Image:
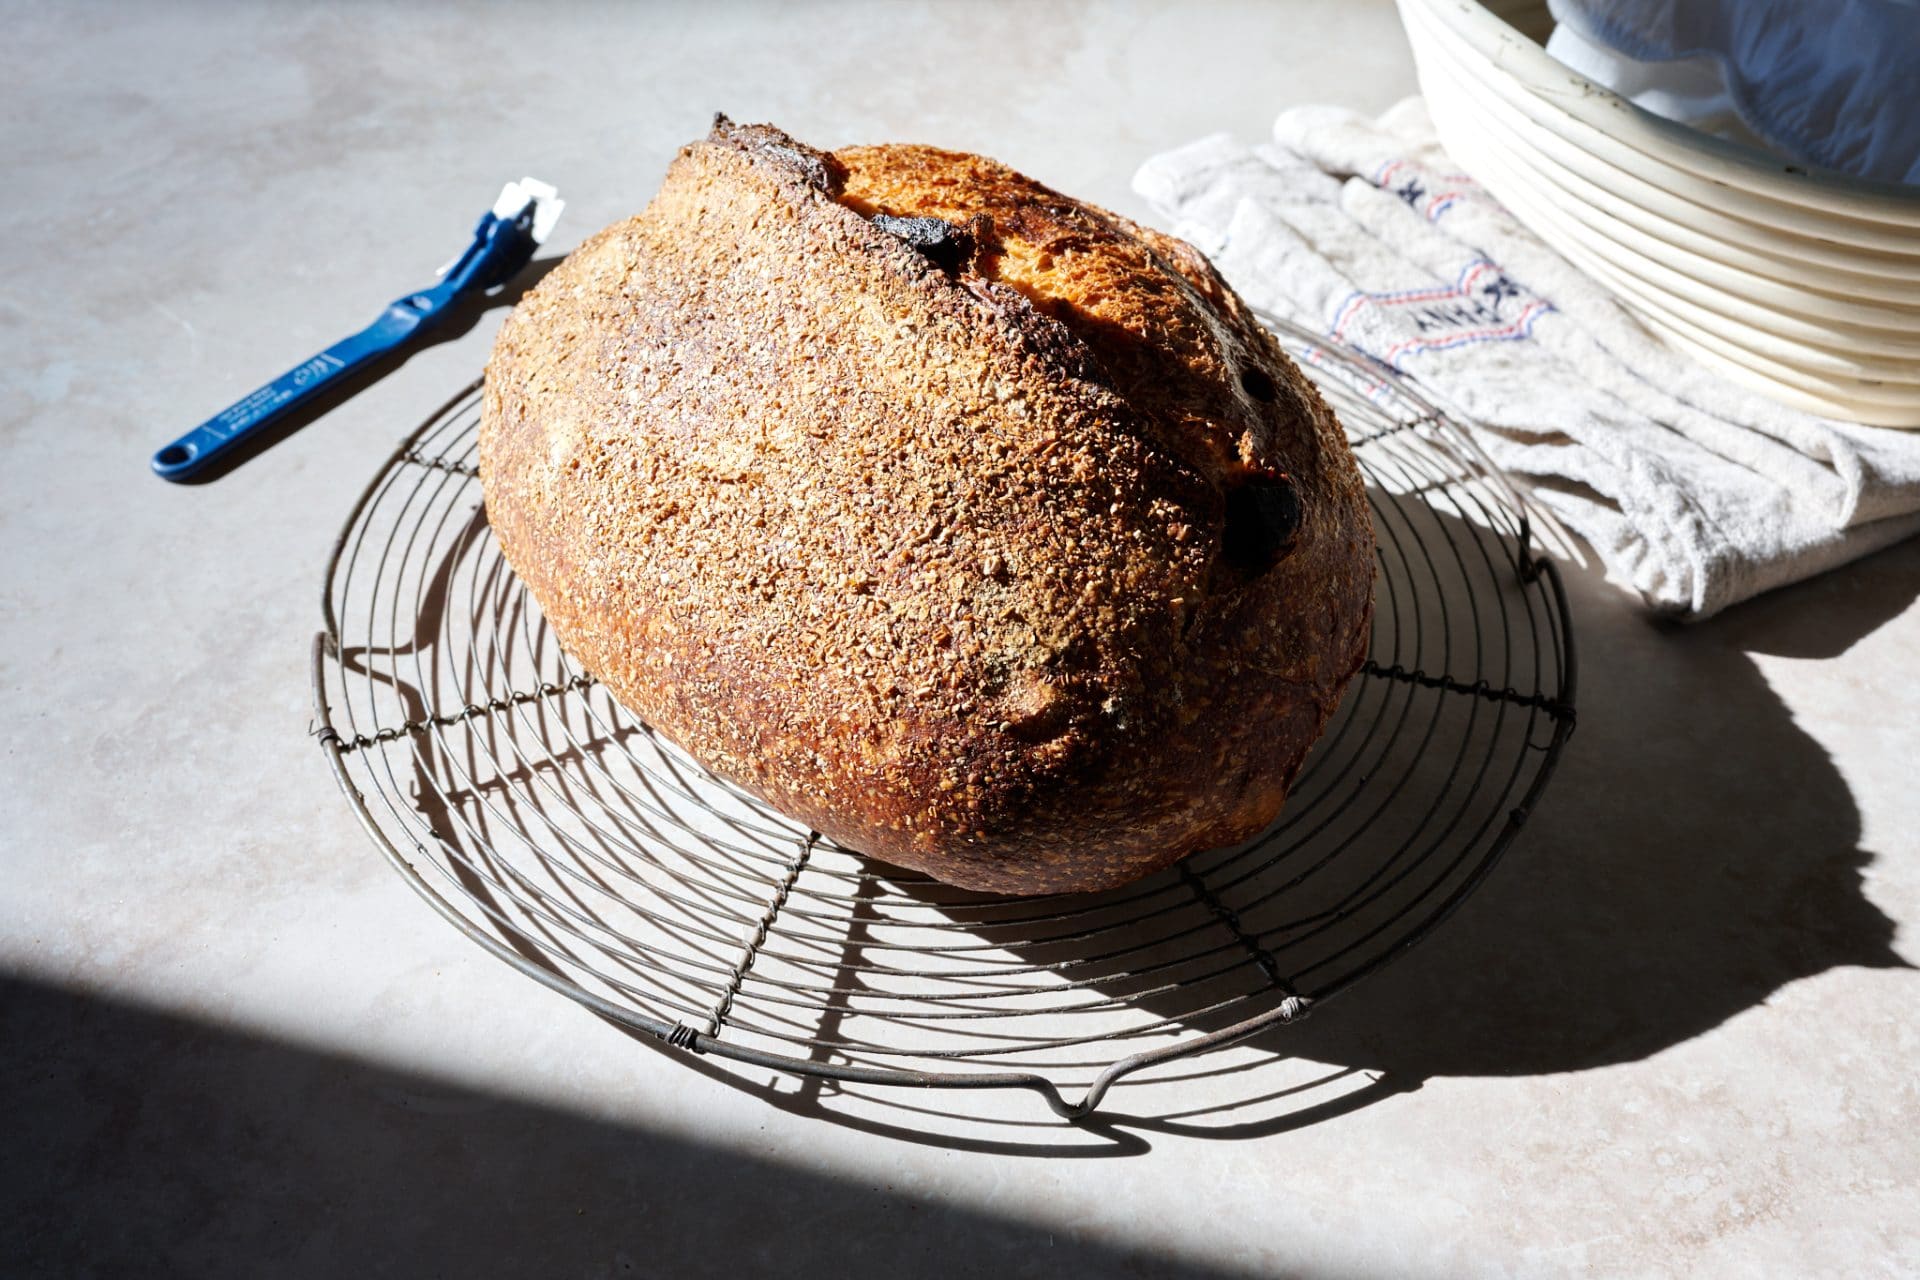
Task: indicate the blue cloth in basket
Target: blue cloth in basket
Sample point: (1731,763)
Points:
(1832,83)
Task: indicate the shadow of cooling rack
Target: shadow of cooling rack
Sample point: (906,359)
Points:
(558,832)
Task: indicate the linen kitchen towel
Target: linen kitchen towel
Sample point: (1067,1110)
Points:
(1695,493)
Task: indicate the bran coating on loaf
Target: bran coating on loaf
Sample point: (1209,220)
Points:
(912,495)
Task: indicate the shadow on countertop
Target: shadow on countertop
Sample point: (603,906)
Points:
(142,1144)
(1824,616)
(1697,852)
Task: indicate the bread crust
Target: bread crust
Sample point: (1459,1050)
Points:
(976,527)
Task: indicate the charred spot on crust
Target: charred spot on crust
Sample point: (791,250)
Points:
(816,169)
(1258,385)
(945,244)
(1263,518)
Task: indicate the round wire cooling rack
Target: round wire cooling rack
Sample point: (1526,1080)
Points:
(558,832)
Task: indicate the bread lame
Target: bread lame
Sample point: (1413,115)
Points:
(504,241)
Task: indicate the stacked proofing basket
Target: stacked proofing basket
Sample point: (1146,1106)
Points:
(1802,284)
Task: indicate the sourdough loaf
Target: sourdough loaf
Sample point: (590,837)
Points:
(978,528)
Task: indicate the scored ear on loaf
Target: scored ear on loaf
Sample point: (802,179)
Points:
(980,529)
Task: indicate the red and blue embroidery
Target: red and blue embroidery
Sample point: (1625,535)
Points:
(1482,304)
(1462,287)
(1519,327)
(1430,195)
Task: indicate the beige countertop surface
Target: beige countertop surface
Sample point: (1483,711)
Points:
(1674,1035)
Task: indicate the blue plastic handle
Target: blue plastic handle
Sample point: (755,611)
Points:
(500,248)
(203,445)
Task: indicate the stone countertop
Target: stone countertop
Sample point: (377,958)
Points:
(1674,1034)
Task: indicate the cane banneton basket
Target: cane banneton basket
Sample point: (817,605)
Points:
(1801,284)
(558,832)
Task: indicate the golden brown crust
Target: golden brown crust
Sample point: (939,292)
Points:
(970,543)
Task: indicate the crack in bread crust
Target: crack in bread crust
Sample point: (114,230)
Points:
(921,535)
